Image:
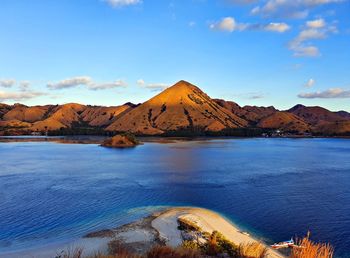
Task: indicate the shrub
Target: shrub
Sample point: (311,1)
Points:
(185,224)
(168,252)
(190,245)
(115,247)
(131,137)
(71,253)
(218,244)
(252,250)
(310,249)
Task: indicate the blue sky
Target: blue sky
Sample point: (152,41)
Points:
(270,52)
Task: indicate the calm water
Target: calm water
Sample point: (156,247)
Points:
(277,188)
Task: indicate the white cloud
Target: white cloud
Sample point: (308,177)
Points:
(120,3)
(226,24)
(229,24)
(289,8)
(70,83)
(105,86)
(277,27)
(152,86)
(316,24)
(314,30)
(24,85)
(327,94)
(7,83)
(85,81)
(310,83)
(157,86)
(19,96)
(140,82)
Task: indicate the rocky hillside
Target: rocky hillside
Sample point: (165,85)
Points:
(180,108)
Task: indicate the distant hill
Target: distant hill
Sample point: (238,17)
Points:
(181,108)
(284,121)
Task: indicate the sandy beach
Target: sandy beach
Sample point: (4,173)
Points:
(158,228)
(166,224)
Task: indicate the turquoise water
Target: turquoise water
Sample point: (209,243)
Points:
(277,188)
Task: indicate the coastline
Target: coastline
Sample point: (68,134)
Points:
(159,228)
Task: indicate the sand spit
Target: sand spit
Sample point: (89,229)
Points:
(160,228)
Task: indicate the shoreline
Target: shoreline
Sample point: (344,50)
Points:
(159,228)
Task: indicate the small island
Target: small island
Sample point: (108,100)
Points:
(121,141)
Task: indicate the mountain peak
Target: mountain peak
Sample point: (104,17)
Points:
(296,107)
(183,85)
(182,106)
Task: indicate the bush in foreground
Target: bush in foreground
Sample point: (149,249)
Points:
(168,252)
(310,249)
(256,250)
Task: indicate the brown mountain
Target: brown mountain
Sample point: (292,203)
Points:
(284,121)
(26,114)
(344,114)
(180,107)
(315,115)
(75,115)
(4,109)
(251,114)
(333,129)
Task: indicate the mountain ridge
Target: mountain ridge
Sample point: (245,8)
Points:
(182,107)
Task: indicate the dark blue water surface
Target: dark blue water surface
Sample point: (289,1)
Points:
(276,188)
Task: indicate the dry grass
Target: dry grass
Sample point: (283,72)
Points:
(72,252)
(310,249)
(252,250)
(168,252)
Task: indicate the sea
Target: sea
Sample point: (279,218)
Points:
(274,188)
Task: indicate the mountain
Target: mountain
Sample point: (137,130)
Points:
(251,114)
(4,109)
(284,121)
(344,114)
(315,115)
(340,128)
(180,107)
(75,115)
(26,114)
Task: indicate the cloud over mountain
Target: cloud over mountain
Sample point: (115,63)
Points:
(85,81)
(327,94)
(152,86)
(19,96)
(7,83)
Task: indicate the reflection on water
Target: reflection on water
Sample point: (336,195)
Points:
(277,188)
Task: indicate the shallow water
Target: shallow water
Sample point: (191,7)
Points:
(276,188)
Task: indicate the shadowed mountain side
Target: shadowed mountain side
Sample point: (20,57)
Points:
(251,114)
(340,128)
(344,114)
(181,106)
(4,108)
(315,115)
(284,121)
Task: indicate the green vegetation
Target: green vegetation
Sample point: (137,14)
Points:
(217,244)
